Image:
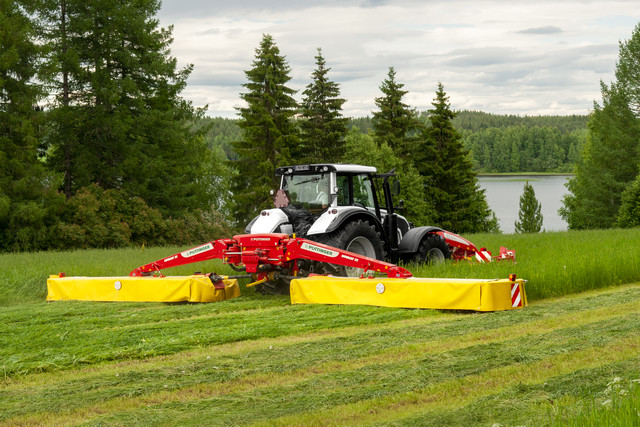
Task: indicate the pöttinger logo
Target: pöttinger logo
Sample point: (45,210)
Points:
(196,251)
(319,250)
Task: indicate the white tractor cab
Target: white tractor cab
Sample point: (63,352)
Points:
(349,207)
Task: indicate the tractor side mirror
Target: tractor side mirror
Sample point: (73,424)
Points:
(396,187)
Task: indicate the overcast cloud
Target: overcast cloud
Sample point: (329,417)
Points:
(515,57)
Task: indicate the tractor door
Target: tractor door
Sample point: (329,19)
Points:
(357,190)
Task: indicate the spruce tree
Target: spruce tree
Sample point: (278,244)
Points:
(450,183)
(610,158)
(270,137)
(529,216)
(322,125)
(28,196)
(118,118)
(395,123)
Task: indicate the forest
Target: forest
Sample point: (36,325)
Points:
(497,143)
(98,148)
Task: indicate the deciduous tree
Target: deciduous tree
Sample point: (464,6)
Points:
(629,213)
(610,158)
(363,149)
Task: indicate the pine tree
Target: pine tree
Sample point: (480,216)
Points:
(270,137)
(323,127)
(529,216)
(450,183)
(395,123)
(611,155)
(119,120)
(28,196)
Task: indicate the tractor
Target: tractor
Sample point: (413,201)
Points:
(330,220)
(351,207)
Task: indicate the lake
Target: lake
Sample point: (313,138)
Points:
(503,196)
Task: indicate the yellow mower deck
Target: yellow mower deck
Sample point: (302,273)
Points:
(197,288)
(450,294)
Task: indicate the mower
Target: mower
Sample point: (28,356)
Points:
(328,241)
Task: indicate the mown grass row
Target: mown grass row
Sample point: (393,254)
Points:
(555,264)
(512,368)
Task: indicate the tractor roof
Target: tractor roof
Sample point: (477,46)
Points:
(325,167)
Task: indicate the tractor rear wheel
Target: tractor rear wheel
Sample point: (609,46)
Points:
(432,250)
(358,237)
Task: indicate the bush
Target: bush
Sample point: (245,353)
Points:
(197,227)
(97,218)
(629,213)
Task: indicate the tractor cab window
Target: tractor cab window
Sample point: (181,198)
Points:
(344,192)
(362,191)
(307,191)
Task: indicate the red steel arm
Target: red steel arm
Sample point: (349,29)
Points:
(261,253)
(307,249)
(212,250)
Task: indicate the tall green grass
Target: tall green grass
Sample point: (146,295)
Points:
(554,264)
(23,276)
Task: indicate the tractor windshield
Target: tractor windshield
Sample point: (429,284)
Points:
(307,191)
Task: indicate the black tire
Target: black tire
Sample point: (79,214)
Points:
(432,250)
(355,236)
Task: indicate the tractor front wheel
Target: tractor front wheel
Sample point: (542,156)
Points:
(358,237)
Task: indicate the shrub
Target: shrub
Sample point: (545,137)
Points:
(97,218)
(629,213)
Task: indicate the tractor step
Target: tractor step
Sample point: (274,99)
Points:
(196,288)
(448,294)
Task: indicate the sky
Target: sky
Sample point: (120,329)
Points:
(503,57)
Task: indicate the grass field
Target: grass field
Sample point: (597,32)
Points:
(570,358)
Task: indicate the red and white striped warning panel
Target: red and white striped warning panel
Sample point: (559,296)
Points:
(483,256)
(516,299)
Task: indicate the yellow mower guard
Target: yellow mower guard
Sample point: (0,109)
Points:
(449,294)
(196,288)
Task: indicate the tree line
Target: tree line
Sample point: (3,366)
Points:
(497,143)
(99,149)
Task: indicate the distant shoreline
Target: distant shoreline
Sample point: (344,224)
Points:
(524,174)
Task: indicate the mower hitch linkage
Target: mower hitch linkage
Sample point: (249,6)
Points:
(263,254)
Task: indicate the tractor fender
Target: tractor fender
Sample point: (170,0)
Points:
(411,240)
(267,222)
(330,221)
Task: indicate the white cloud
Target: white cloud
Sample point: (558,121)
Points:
(516,57)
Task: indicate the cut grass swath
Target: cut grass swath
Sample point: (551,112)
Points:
(424,366)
